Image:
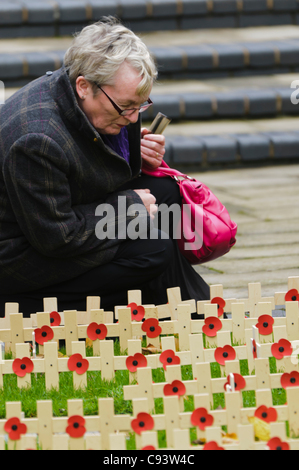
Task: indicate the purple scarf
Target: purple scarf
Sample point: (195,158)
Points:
(119,143)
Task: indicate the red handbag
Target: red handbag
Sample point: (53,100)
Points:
(206,230)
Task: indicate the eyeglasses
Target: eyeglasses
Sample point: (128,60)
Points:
(127,112)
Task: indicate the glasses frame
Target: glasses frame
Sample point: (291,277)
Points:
(126,112)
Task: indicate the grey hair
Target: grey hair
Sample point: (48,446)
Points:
(100,49)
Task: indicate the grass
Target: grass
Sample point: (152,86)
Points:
(98,388)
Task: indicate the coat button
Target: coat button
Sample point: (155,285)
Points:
(49,73)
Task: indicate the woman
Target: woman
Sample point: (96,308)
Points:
(71,146)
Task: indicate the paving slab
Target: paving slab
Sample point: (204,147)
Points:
(267,250)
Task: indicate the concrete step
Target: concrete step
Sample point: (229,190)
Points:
(191,58)
(232,143)
(31,18)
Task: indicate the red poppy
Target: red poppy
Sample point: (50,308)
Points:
(239,382)
(55,319)
(290,380)
(168,358)
(212,445)
(143,422)
(136,361)
(265,324)
(292,295)
(137,311)
(277,444)
(15,428)
(151,327)
(175,388)
(76,426)
(43,334)
(266,414)
(97,331)
(253,348)
(227,353)
(201,418)
(148,448)
(77,363)
(21,367)
(221,304)
(212,326)
(281,349)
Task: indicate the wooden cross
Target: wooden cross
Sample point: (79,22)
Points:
(254,297)
(174,299)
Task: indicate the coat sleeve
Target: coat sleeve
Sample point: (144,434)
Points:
(36,179)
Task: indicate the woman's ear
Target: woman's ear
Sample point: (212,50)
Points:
(82,87)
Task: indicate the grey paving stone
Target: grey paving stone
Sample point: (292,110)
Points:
(230,104)
(262,102)
(254,5)
(72,11)
(39,12)
(102,8)
(10,14)
(198,106)
(254,147)
(199,57)
(285,5)
(195,7)
(11,66)
(133,9)
(286,145)
(265,19)
(225,6)
(231,56)
(169,105)
(168,60)
(164,7)
(220,149)
(186,150)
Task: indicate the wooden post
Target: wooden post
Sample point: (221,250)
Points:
(22,350)
(51,366)
(238,320)
(293,406)
(184,326)
(292,320)
(111,424)
(44,420)
(233,409)
(70,329)
(144,387)
(125,328)
(75,408)
(80,381)
(107,359)
(203,377)
(96,316)
(172,421)
(13,410)
(17,332)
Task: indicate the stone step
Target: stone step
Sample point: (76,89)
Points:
(194,60)
(31,18)
(202,151)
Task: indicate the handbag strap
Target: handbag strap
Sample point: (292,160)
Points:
(165,170)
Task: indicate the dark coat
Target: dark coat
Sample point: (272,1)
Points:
(56,170)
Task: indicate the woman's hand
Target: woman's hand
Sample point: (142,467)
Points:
(148,200)
(152,149)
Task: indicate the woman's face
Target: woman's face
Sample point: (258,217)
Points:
(100,111)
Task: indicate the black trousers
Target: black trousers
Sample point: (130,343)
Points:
(151,265)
